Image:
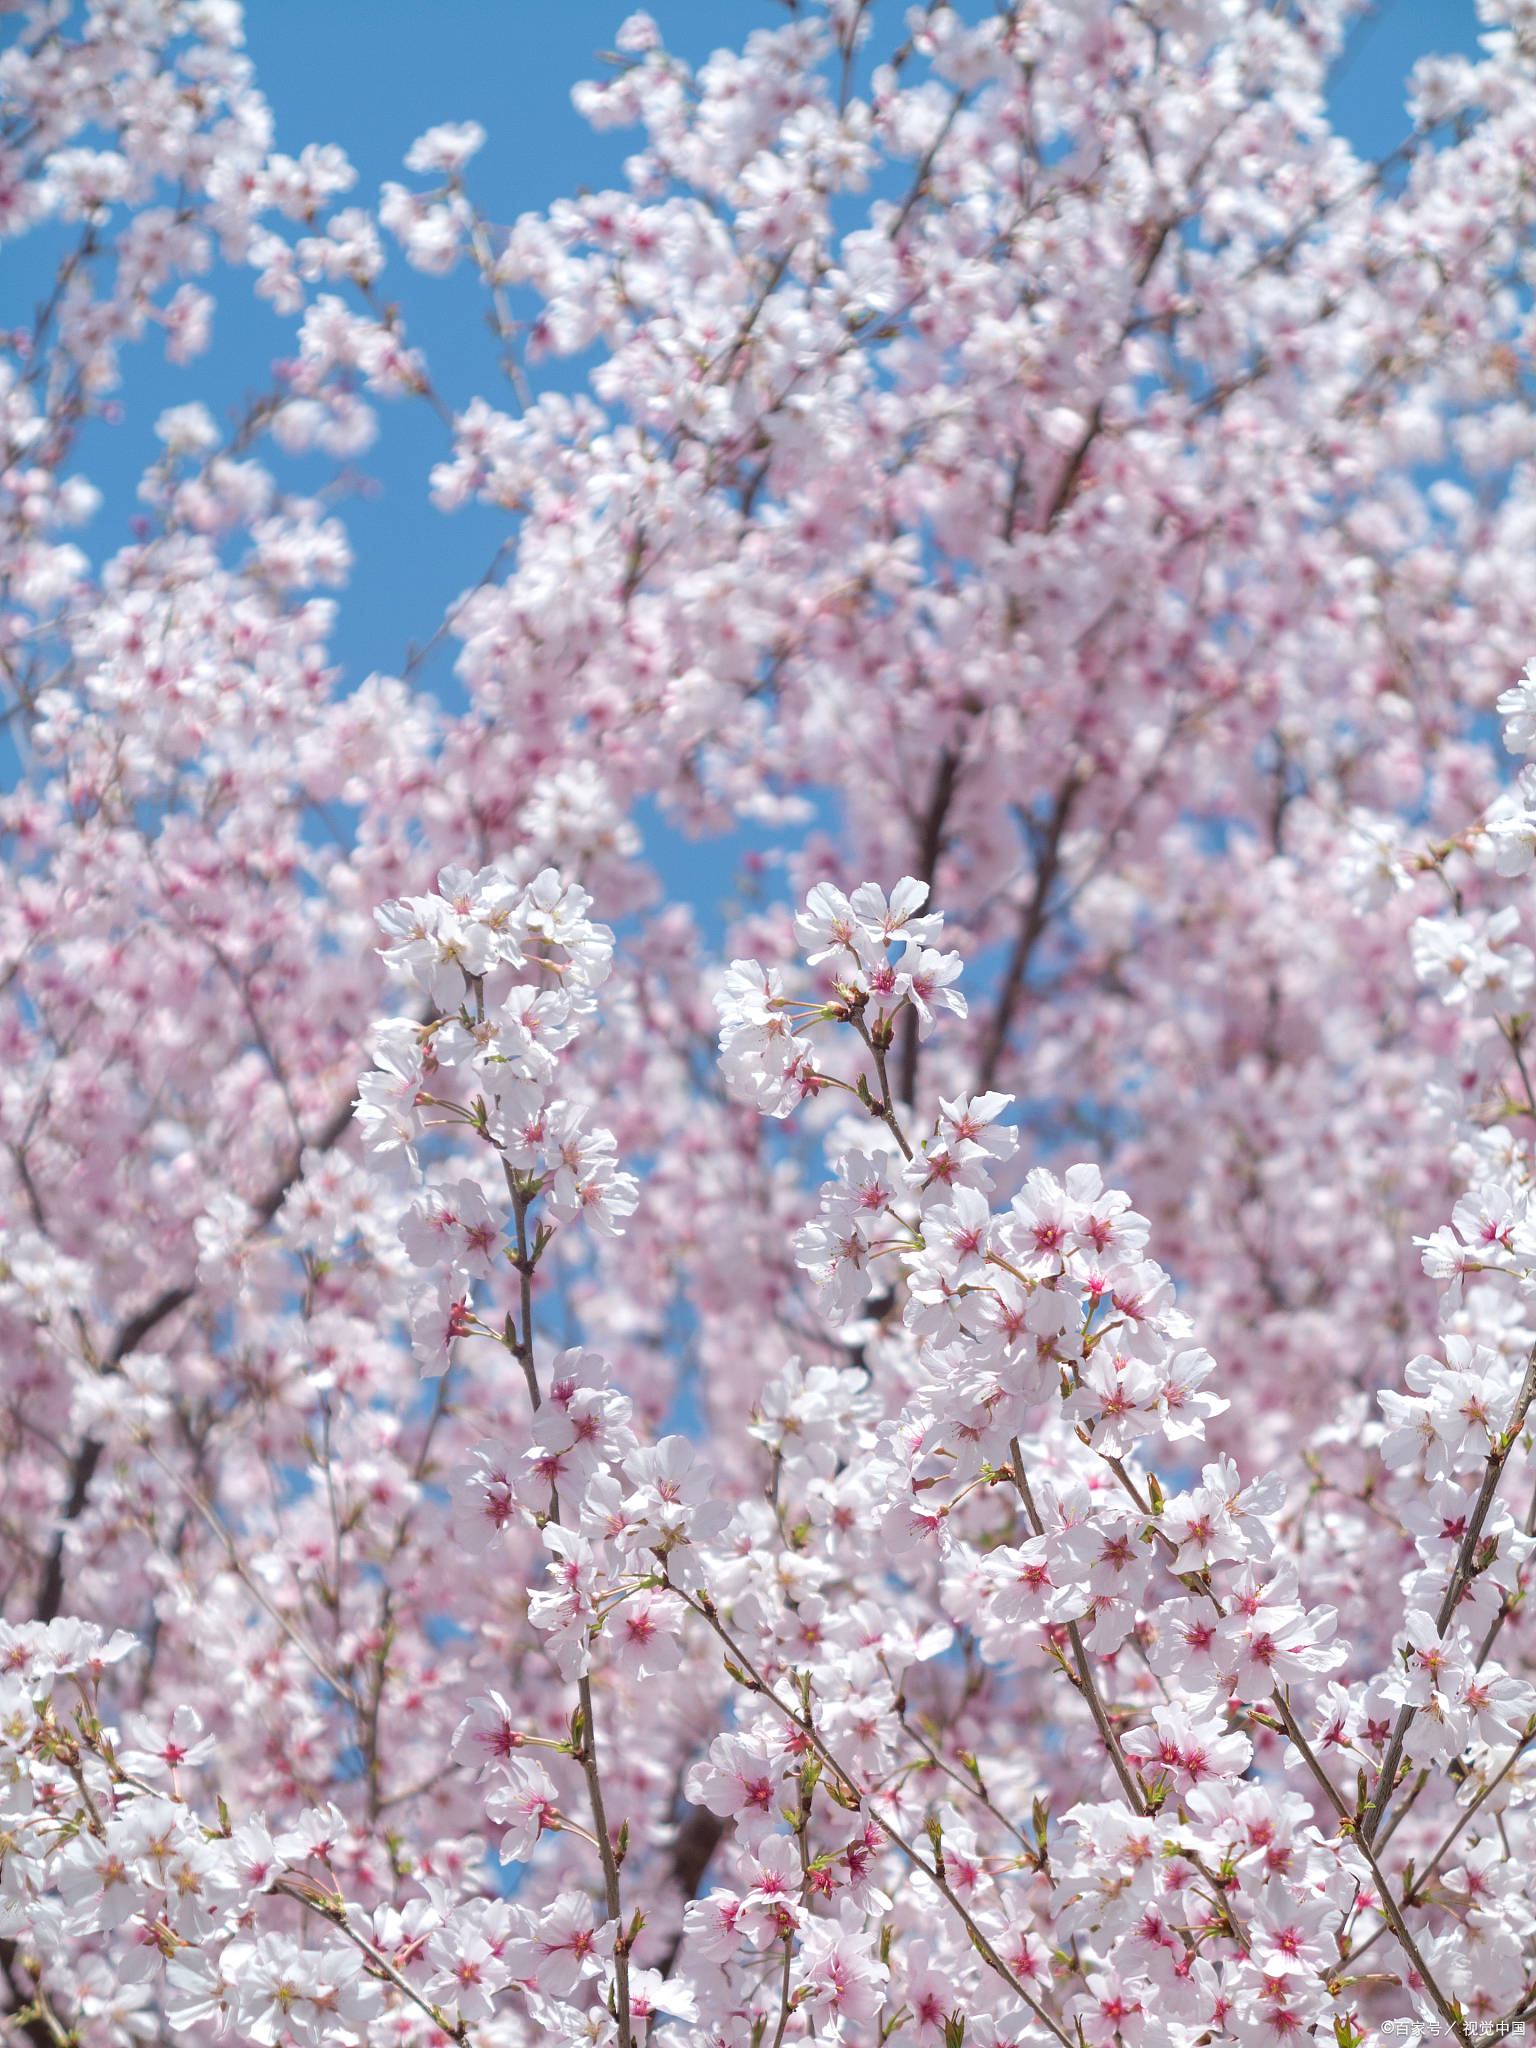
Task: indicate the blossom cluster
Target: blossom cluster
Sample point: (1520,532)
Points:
(1052,1365)
(487,1058)
(983,1476)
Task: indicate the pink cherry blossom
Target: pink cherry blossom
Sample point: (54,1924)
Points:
(948,1447)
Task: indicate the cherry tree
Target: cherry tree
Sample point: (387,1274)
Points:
(957,1469)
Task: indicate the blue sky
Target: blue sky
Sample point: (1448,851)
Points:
(371,75)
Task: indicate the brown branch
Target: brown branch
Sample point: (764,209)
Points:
(693,1850)
(1462,1574)
(855,1802)
(1085,1682)
(1031,926)
(36,2025)
(132,1334)
(699,1835)
(919,184)
(930,844)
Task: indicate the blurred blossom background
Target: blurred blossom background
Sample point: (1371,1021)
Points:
(371,75)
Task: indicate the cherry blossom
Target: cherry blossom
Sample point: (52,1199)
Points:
(954,1459)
